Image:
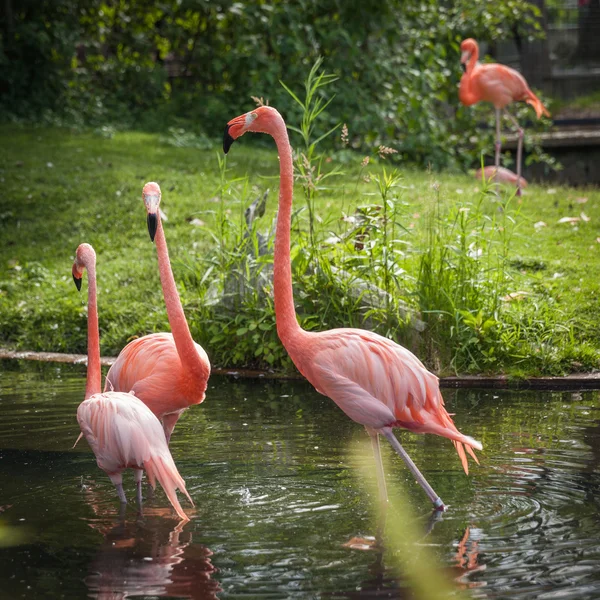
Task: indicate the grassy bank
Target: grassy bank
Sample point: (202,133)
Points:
(475,282)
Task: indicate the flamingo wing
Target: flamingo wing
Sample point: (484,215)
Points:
(139,359)
(500,84)
(379,384)
(150,368)
(124,433)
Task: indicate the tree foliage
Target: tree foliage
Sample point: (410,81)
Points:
(154,64)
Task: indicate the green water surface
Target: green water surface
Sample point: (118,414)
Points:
(272,471)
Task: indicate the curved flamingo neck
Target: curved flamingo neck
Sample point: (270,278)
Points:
(287,324)
(186,349)
(473,60)
(466,93)
(94,376)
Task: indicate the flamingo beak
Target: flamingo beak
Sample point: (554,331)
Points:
(465,57)
(77,281)
(227,139)
(152,225)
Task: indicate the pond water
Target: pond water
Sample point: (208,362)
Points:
(278,494)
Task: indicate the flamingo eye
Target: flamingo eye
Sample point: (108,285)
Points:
(250,118)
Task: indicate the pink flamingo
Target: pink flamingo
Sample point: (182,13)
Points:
(168,372)
(121,430)
(500,175)
(376,382)
(499,85)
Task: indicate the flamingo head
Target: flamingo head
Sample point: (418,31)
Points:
(84,256)
(151,196)
(468,47)
(259,120)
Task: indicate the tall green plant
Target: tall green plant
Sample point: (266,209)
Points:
(309,164)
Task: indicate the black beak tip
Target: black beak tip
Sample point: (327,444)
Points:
(227,140)
(152,225)
(464,67)
(77,281)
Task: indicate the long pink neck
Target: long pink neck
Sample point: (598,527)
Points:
(181,332)
(287,323)
(94,377)
(473,60)
(466,93)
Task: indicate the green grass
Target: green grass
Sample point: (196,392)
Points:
(61,188)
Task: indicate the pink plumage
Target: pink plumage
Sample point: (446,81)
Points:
(372,379)
(500,175)
(493,83)
(168,371)
(499,85)
(378,383)
(124,434)
(121,430)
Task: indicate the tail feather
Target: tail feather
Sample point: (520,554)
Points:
(170,479)
(460,449)
(448,429)
(534,101)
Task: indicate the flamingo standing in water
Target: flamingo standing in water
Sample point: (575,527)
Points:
(499,85)
(121,430)
(168,372)
(376,382)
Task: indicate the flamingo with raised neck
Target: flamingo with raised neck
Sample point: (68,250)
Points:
(167,371)
(376,382)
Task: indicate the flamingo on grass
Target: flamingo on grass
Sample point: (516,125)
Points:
(499,85)
(167,371)
(499,175)
(376,382)
(120,428)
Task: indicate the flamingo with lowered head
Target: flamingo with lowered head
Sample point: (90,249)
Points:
(376,382)
(167,371)
(121,430)
(499,85)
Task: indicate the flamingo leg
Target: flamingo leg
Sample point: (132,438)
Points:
(521,133)
(437,501)
(383,497)
(121,493)
(117,480)
(138,486)
(498,140)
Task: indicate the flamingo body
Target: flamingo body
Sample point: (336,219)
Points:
(150,367)
(498,84)
(500,175)
(378,383)
(167,371)
(124,434)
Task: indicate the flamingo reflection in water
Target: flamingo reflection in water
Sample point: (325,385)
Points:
(467,561)
(149,555)
(383,581)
